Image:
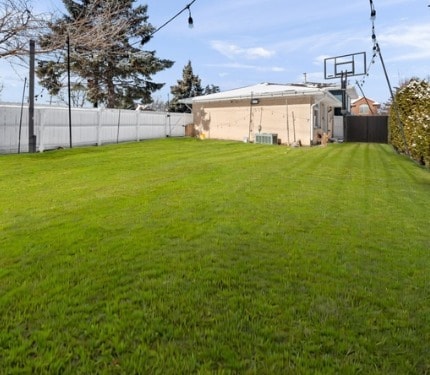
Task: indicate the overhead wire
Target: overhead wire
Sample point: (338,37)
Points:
(190,19)
(190,23)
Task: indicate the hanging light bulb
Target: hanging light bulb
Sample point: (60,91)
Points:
(372,11)
(190,22)
(190,19)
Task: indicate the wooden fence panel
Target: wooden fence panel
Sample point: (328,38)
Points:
(369,129)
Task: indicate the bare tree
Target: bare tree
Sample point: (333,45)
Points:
(17,25)
(100,31)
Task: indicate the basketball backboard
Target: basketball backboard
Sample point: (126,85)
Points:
(353,64)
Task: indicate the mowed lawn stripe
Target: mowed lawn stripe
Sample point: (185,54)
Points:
(182,256)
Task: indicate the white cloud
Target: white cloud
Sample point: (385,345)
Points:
(259,68)
(319,60)
(233,51)
(411,42)
(257,52)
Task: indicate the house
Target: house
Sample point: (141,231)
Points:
(296,113)
(364,107)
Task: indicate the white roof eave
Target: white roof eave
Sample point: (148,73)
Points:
(202,99)
(263,91)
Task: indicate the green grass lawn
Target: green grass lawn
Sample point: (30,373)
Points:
(181,256)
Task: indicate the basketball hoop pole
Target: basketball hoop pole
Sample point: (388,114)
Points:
(344,110)
(343,85)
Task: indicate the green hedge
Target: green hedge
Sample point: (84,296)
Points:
(413,103)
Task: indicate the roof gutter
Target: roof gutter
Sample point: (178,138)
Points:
(262,95)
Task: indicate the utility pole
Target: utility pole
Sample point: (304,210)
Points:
(31,135)
(68,90)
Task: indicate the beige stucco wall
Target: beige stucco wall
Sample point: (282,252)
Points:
(289,117)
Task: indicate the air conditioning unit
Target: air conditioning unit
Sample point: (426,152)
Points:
(266,138)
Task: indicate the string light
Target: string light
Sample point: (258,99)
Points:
(375,45)
(190,19)
(376,49)
(371,63)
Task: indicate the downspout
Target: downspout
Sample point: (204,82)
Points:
(311,133)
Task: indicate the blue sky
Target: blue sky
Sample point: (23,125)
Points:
(235,43)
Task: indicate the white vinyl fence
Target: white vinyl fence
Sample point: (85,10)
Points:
(89,127)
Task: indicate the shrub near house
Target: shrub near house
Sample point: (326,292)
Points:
(413,102)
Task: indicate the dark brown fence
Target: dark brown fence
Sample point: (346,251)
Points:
(372,129)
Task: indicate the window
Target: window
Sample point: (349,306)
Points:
(363,109)
(337,94)
(338,111)
(316,118)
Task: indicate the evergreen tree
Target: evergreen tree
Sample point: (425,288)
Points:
(211,89)
(105,52)
(189,87)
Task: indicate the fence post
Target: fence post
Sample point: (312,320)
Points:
(137,126)
(41,128)
(99,126)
